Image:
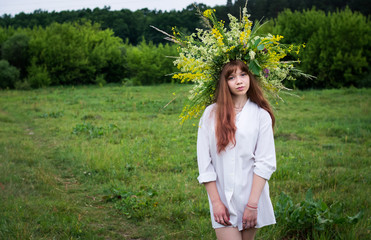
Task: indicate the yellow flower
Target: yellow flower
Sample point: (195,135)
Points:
(230,49)
(276,39)
(218,36)
(201,51)
(297,52)
(208,13)
(248,24)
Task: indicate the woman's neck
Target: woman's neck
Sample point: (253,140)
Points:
(239,101)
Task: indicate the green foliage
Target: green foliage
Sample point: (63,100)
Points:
(149,64)
(77,53)
(9,75)
(133,25)
(100,80)
(68,53)
(5,34)
(135,205)
(338,46)
(38,76)
(56,114)
(311,217)
(16,51)
(93,131)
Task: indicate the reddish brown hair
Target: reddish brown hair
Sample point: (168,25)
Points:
(225,128)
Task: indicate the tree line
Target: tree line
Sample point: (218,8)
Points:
(83,51)
(79,53)
(133,25)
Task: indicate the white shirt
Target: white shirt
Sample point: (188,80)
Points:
(233,168)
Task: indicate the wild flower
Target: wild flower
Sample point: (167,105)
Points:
(203,54)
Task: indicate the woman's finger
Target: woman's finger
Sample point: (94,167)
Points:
(252,224)
(226,220)
(222,222)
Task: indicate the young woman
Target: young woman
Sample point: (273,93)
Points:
(236,154)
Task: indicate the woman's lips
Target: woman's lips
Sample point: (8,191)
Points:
(240,88)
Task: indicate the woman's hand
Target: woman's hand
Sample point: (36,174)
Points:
(221,214)
(249,218)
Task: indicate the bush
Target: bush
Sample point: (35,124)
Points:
(77,53)
(15,51)
(338,46)
(22,85)
(148,64)
(5,34)
(100,80)
(310,217)
(9,75)
(38,76)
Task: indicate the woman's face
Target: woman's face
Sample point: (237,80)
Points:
(238,82)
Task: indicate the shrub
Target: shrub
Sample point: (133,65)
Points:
(338,46)
(22,85)
(6,33)
(15,51)
(100,80)
(38,76)
(77,53)
(310,217)
(148,64)
(9,75)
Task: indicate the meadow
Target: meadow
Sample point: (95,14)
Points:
(113,162)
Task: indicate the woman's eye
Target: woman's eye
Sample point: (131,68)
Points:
(243,74)
(230,78)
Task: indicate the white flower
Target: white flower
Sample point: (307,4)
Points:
(252,54)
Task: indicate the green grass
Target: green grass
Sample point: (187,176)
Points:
(112,163)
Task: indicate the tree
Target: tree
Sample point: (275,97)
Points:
(338,46)
(16,51)
(9,75)
(77,53)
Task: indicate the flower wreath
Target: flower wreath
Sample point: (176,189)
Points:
(202,56)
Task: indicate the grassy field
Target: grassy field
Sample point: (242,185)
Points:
(112,163)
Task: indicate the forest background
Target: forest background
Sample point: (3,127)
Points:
(102,46)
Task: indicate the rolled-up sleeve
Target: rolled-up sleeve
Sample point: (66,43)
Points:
(265,154)
(205,167)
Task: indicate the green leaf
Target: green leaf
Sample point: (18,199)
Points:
(261,47)
(356,217)
(255,68)
(256,43)
(309,195)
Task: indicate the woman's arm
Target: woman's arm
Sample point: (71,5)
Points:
(250,214)
(258,184)
(264,166)
(221,214)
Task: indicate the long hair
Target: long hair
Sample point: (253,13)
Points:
(225,129)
